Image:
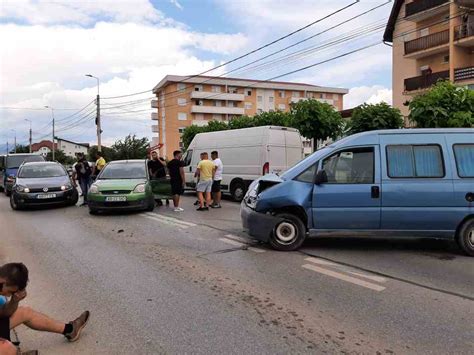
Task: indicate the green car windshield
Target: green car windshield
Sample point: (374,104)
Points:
(131,170)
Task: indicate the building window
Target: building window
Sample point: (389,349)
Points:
(259,110)
(182,116)
(414,161)
(259,98)
(281,94)
(270,99)
(182,102)
(216,89)
(309,95)
(295,94)
(322,95)
(248,92)
(282,107)
(445,59)
(231,104)
(181,130)
(216,117)
(217,103)
(181,86)
(199,116)
(335,97)
(200,102)
(248,105)
(232,90)
(197,87)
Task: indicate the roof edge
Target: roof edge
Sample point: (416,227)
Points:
(388,34)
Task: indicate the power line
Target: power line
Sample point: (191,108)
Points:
(259,48)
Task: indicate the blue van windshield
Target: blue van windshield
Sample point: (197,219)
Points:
(295,170)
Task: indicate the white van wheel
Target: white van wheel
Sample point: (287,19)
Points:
(466,237)
(238,191)
(289,234)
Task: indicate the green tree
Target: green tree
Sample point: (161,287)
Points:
(20,149)
(369,117)
(60,157)
(242,122)
(131,148)
(274,118)
(316,120)
(444,105)
(108,153)
(189,133)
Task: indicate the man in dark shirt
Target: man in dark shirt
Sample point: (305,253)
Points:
(176,171)
(156,166)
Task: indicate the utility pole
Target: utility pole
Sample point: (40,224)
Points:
(31,134)
(52,114)
(15,140)
(8,150)
(97,117)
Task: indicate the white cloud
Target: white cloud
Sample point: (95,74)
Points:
(80,12)
(177,4)
(367,94)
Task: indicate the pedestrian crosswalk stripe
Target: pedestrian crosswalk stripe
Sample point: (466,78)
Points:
(170,219)
(165,221)
(344,277)
(236,243)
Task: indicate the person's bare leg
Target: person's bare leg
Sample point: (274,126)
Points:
(201,199)
(208,198)
(35,320)
(176,201)
(7,348)
(217,198)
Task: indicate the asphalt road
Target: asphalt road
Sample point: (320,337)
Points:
(168,283)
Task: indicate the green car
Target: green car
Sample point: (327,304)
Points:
(122,185)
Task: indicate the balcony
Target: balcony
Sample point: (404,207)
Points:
(422,9)
(216,96)
(425,81)
(154,116)
(298,99)
(154,128)
(218,110)
(461,74)
(427,45)
(154,103)
(464,35)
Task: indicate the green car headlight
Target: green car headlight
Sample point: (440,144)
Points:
(140,188)
(94,189)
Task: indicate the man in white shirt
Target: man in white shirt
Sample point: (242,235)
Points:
(216,184)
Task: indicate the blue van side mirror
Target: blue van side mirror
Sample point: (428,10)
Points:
(321,177)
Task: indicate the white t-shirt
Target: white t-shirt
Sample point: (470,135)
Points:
(219,169)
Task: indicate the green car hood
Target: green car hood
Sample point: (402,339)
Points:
(119,184)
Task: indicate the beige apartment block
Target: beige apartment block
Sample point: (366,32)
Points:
(182,101)
(432,40)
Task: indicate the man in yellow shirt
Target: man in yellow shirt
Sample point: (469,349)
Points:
(99,164)
(205,171)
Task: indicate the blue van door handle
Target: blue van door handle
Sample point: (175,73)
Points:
(375,192)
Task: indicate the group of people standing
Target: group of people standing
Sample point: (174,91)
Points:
(83,172)
(208,173)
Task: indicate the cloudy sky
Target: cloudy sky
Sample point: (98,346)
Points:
(48,46)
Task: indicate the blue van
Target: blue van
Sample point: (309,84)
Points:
(9,165)
(403,183)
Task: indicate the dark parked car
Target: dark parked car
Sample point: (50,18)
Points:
(42,183)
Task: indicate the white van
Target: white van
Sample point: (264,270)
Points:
(246,154)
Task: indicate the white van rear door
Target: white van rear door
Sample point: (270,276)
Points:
(276,151)
(294,148)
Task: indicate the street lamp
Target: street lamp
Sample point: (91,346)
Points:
(97,119)
(31,133)
(15,138)
(52,114)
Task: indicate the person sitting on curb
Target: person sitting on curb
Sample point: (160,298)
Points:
(13,281)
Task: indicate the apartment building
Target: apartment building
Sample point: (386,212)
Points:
(183,101)
(432,40)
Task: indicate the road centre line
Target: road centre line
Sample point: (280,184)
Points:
(168,222)
(344,277)
(345,269)
(171,219)
(236,243)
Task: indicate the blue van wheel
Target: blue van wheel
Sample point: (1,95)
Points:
(289,234)
(466,237)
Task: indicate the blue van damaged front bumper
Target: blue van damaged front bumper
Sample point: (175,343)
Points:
(256,224)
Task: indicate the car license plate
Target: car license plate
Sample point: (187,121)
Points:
(45,196)
(116,198)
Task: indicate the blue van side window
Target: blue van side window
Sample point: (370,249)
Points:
(415,161)
(464,154)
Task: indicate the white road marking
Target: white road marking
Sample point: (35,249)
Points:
(236,237)
(170,219)
(239,244)
(370,277)
(344,277)
(320,261)
(165,221)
